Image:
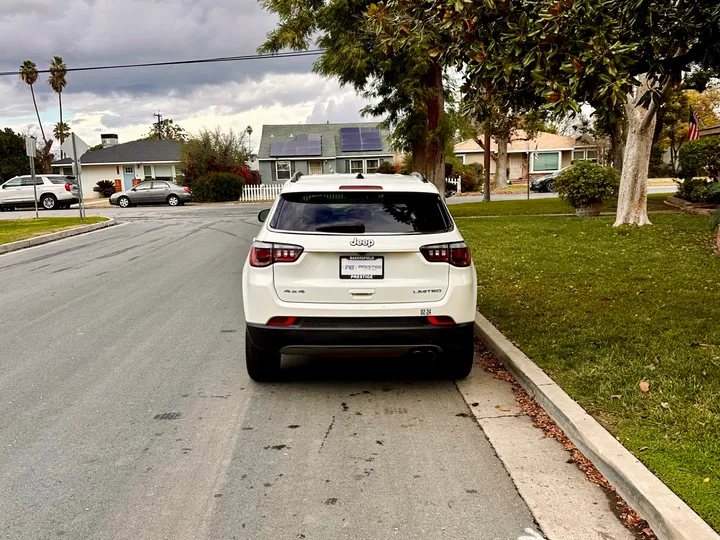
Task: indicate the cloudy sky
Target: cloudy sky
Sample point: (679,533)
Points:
(103,32)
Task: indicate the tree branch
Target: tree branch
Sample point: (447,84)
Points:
(652,109)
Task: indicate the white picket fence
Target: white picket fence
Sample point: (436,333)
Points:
(269,192)
(456,182)
(261,192)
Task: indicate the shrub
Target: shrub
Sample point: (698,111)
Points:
(700,158)
(450,189)
(386,168)
(105,187)
(468,181)
(214,151)
(218,187)
(587,183)
(699,190)
(475,169)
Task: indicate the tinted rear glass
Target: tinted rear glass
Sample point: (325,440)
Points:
(62,179)
(361,212)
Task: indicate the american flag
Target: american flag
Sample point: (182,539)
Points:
(693,130)
(537,156)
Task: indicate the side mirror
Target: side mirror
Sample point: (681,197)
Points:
(263,215)
(133,189)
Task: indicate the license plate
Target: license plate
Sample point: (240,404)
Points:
(361,267)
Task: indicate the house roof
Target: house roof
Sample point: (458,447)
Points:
(519,143)
(331,146)
(710,130)
(131,152)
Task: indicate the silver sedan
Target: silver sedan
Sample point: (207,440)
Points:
(153,192)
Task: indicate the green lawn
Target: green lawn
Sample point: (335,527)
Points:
(539,206)
(12,230)
(602,309)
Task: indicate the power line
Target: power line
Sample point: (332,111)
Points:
(185,62)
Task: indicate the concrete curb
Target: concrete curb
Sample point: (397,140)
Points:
(669,517)
(52,237)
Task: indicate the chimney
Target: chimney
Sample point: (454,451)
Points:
(108,140)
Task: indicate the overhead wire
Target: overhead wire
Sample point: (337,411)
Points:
(294,54)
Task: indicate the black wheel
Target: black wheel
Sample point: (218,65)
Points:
(48,202)
(457,361)
(173,200)
(262,365)
(550,187)
(123,202)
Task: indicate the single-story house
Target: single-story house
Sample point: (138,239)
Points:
(709,131)
(125,164)
(546,153)
(321,149)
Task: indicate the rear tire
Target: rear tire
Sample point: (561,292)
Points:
(173,200)
(262,365)
(550,187)
(49,202)
(457,361)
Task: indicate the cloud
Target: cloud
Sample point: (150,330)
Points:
(101,32)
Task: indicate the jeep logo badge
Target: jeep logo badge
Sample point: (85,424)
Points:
(361,242)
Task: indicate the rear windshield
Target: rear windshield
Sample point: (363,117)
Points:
(359,212)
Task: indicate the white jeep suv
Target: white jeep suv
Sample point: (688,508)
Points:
(54,191)
(346,264)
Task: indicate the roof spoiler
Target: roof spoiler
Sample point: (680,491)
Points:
(296,177)
(421,176)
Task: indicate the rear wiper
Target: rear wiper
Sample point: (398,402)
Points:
(352,229)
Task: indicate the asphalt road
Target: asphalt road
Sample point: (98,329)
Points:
(126,412)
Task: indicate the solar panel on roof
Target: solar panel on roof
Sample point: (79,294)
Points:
(356,139)
(349,130)
(303,145)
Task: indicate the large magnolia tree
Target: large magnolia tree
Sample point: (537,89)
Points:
(615,54)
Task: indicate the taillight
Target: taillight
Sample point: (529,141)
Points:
(281,321)
(187,189)
(456,254)
(67,186)
(442,320)
(361,188)
(264,254)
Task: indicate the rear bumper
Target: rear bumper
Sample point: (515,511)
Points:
(344,335)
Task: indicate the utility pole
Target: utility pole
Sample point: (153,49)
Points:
(159,124)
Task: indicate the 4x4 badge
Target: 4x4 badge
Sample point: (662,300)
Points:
(362,242)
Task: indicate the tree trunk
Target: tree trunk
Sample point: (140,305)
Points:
(62,131)
(37,112)
(429,152)
(47,157)
(486,165)
(617,143)
(501,164)
(632,200)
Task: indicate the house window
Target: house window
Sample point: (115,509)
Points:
(282,170)
(578,155)
(372,165)
(148,171)
(356,166)
(129,170)
(546,162)
(591,155)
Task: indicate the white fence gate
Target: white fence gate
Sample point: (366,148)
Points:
(269,192)
(261,192)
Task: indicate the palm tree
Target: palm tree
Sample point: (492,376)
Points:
(58,81)
(61,131)
(29,75)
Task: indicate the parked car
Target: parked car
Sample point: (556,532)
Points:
(545,183)
(346,264)
(54,191)
(153,192)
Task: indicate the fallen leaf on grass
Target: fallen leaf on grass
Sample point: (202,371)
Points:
(503,409)
(643,448)
(644,387)
(657,360)
(665,405)
(606,299)
(706,480)
(616,396)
